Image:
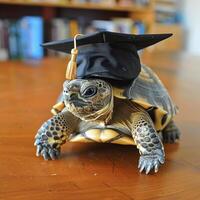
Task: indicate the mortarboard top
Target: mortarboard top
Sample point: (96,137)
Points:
(108,55)
(139,41)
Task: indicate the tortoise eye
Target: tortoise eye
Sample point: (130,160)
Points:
(90,91)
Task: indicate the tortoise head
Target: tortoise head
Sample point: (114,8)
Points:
(88,99)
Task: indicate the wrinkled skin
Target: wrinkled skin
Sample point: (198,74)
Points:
(86,97)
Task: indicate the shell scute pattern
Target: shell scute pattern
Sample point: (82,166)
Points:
(149,92)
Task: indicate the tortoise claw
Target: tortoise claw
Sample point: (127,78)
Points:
(150,162)
(38,151)
(171,136)
(54,153)
(48,153)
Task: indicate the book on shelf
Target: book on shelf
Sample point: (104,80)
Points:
(123,25)
(168,11)
(59,30)
(66,28)
(133,2)
(62,28)
(101,2)
(21,39)
(113,2)
(4,54)
(14,46)
(31,36)
(44,1)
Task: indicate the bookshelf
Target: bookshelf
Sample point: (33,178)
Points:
(86,6)
(135,11)
(71,9)
(168,17)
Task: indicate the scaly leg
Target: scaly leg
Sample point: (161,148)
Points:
(171,133)
(53,133)
(148,142)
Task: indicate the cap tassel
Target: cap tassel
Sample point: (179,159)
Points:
(70,75)
(72,65)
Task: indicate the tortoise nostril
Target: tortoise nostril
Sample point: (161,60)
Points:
(66,93)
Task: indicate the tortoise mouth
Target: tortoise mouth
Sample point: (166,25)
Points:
(79,103)
(80,107)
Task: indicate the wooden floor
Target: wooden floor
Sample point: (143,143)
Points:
(93,171)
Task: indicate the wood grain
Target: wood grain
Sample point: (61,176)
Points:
(93,171)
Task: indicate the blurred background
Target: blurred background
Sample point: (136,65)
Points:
(24,24)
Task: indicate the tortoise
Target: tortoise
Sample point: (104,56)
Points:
(96,110)
(133,120)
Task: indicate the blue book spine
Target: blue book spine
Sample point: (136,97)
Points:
(140,27)
(31,36)
(14,40)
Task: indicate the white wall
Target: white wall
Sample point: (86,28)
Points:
(191,13)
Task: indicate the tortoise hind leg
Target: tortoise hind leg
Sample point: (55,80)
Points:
(171,133)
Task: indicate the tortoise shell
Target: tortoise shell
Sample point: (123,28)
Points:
(149,92)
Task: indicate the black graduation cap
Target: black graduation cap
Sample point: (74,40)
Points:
(108,55)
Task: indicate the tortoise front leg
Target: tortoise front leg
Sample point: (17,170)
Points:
(53,133)
(148,142)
